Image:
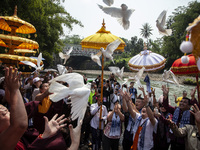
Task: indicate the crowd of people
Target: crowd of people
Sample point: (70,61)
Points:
(30,120)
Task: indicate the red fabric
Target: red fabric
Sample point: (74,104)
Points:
(179,68)
(20,146)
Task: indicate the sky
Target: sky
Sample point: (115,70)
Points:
(91,16)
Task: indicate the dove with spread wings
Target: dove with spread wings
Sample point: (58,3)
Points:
(122,14)
(117,71)
(77,90)
(160,23)
(65,56)
(108,52)
(96,57)
(166,77)
(37,67)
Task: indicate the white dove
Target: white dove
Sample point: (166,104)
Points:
(123,14)
(138,76)
(37,67)
(65,56)
(108,2)
(77,90)
(110,49)
(61,69)
(166,77)
(160,23)
(96,58)
(117,71)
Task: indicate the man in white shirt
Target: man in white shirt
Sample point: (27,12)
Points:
(37,82)
(97,131)
(145,125)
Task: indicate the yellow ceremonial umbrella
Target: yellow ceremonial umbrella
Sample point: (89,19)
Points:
(23,51)
(101,39)
(9,23)
(194,30)
(17,42)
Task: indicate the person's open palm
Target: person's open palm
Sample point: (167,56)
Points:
(196,113)
(52,126)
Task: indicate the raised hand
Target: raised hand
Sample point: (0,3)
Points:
(52,126)
(196,113)
(165,90)
(193,91)
(12,79)
(75,134)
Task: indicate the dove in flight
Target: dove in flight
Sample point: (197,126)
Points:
(65,56)
(108,2)
(96,57)
(122,14)
(37,67)
(110,49)
(61,69)
(160,23)
(138,76)
(117,71)
(77,90)
(166,77)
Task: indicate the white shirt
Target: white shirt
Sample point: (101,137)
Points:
(35,93)
(95,120)
(148,137)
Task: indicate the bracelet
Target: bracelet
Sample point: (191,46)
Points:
(40,136)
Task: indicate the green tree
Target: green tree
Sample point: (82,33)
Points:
(73,39)
(47,16)
(146,31)
(178,23)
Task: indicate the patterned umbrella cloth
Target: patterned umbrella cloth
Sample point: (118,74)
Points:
(151,61)
(178,68)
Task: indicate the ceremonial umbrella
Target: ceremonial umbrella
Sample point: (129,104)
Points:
(15,24)
(178,68)
(194,30)
(24,51)
(101,39)
(147,59)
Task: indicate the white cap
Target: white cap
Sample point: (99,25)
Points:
(36,79)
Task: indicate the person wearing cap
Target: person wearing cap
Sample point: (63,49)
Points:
(36,84)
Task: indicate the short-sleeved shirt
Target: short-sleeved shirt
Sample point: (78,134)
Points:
(178,100)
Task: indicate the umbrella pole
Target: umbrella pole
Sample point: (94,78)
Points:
(197,80)
(102,68)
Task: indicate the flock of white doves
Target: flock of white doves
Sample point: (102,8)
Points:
(77,90)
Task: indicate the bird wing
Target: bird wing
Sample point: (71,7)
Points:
(70,50)
(30,64)
(79,99)
(39,59)
(129,13)
(61,69)
(174,78)
(112,46)
(59,91)
(113,11)
(75,80)
(62,56)
(108,2)
(114,69)
(96,59)
(162,18)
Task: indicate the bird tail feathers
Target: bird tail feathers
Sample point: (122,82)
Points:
(125,25)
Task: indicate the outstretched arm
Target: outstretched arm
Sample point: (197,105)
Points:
(18,118)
